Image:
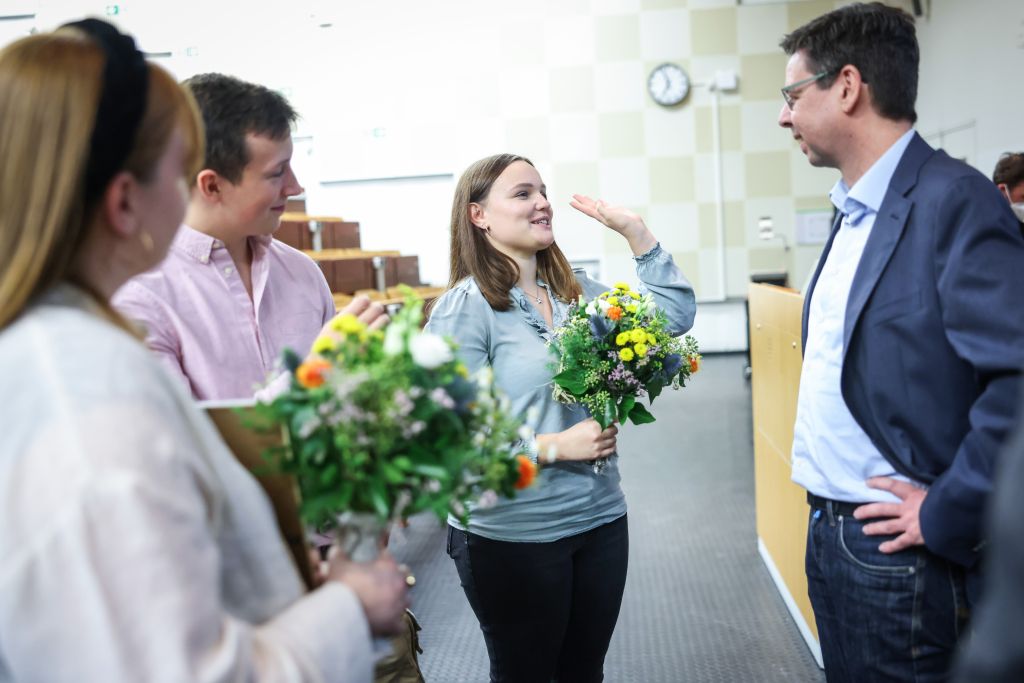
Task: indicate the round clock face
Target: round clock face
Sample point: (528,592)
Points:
(668,84)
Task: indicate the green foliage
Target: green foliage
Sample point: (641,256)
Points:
(391,423)
(615,349)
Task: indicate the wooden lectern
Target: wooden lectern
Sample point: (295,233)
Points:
(775,359)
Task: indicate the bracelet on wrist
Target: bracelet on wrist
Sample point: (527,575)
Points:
(544,456)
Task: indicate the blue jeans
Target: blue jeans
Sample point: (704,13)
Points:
(881,617)
(547,610)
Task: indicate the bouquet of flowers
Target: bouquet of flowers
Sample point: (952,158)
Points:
(613,350)
(389,424)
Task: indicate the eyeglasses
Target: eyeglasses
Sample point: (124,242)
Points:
(788,90)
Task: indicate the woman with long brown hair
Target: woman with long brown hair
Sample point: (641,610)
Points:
(135,547)
(544,572)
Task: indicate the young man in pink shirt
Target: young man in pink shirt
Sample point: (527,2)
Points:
(229,298)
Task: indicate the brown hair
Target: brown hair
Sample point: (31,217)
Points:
(233,109)
(50,87)
(879,40)
(472,254)
(1009,170)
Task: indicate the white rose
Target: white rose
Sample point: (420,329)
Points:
(393,341)
(591,309)
(429,350)
(604,305)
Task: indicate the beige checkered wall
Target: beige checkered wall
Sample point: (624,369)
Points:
(605,136)
(561,81)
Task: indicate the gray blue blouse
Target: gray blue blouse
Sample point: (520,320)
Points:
(569,497)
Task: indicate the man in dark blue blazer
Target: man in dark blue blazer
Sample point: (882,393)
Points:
(913,349)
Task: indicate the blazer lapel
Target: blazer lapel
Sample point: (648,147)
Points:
(885,234)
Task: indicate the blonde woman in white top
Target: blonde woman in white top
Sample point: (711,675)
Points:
(133,546)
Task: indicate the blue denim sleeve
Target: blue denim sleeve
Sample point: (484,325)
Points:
(672,291)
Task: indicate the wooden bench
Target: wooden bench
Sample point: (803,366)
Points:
(335,233)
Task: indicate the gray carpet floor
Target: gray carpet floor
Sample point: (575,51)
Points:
(699,604)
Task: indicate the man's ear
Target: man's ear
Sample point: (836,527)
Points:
(120,204)
(209,185)
(476,215)
(851,92)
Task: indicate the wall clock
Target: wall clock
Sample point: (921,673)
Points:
(668,84)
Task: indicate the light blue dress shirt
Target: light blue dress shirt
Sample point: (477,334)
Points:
(569,497)
(832,456)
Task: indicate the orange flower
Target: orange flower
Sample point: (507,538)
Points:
(694,364)
(614,312)
(311,373)
(527,471)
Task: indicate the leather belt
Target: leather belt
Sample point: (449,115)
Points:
(837,507)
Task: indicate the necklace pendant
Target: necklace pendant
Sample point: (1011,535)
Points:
(538,299)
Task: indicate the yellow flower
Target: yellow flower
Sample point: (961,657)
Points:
(641,349)
(620,285)
(634,294)
(622,338)
(461,371)
(347,324)
(324,344)
(637,335)
(626,354)
(651,339)
(631,308)
(613,300)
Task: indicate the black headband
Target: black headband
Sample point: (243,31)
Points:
(122,104)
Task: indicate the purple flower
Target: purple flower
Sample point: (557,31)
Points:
(413,429)
(621,378)
(403,404)
(488,499)
(441,398)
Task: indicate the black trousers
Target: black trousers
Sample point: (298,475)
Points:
(547,610)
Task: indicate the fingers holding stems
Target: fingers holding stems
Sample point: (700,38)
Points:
(382,587)
(583,441)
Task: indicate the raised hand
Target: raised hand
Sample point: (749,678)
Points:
(623,221)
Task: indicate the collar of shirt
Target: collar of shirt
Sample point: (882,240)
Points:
(198,245)
(867,194)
